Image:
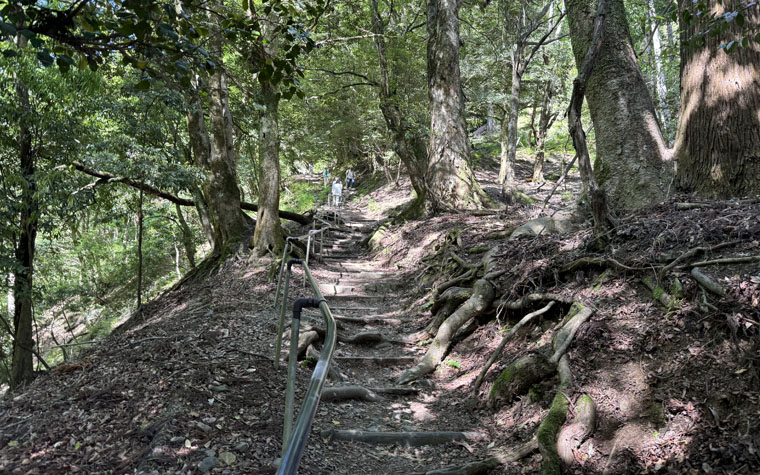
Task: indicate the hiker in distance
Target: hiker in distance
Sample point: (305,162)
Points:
(349,179)
(337,190)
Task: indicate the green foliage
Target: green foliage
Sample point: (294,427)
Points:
(453,364)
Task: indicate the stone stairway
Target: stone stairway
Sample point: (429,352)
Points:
(366,423)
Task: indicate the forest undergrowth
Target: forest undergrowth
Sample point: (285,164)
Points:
(640,358)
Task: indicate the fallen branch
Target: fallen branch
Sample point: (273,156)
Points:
(692,252)
(413,439)
(727,260)
(524,321)
(707,282)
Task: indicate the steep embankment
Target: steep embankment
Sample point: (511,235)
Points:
(669,373)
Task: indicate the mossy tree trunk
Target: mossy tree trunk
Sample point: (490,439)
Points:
(268,237)
(450,181)
(632,163)
(718,141)
(408,143)
(220,187)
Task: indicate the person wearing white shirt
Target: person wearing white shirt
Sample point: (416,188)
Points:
(349,179)
(337,189)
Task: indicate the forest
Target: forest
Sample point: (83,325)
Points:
(534,225)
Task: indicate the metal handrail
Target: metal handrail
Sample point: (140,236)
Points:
(288,245)
(294,439)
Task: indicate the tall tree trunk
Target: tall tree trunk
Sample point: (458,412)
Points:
(407,143)
(451,184)
(22,369)
(507,169)
(188,242)
(632,162)
(718,142)
(268,237)
(139,251)
(201,151)
(545,119)
(221,186)
(661,87)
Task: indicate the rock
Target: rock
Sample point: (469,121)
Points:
(227,458)
(210,452)
(221,387)
(203,427)
(544,225)
(207,464)
(176,440)
(242,446)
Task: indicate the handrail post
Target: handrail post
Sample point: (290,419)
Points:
(281,323)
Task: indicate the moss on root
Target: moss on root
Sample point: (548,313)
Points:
(547,435)
(519,377)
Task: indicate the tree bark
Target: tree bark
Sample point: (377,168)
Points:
(632,161)
(451,183)
(661,88)
(268,237)
(22,368)
(509,156)
(188,242)
(407,142)
(220,186)
(718,141)
(201,153)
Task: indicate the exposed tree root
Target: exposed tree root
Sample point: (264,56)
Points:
(525,320)
(519,376)
(413,439)
(482,297)
(572,435)
(532,298)
(442,308)
(598,262)
(547,435)
(333,372)
(305,339)
(658,292)
(708,283)
(485,466)
(350,392)
(376,360)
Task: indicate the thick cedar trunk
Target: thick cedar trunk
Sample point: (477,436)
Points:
(450,181)
(632,158)
(221,187)
(268,237)
(201,147)
(408,144)
(718,142)
(22,369)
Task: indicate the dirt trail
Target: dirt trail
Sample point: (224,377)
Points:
(357,288)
